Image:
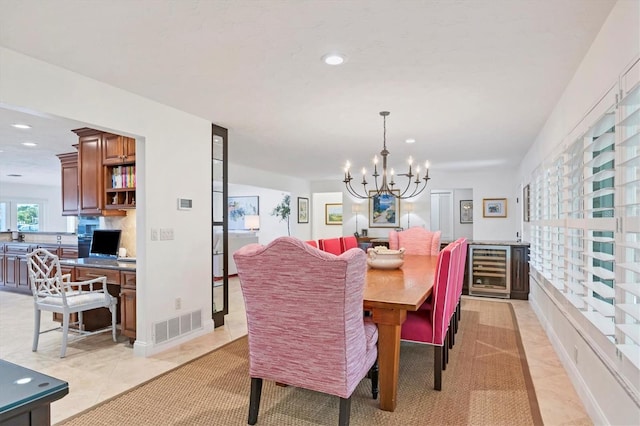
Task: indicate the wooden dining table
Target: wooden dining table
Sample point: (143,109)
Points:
(388,295)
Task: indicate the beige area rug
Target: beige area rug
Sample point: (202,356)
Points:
(486,382)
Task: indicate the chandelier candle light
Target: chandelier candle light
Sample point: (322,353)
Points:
(386,186)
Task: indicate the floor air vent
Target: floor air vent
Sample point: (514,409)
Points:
(175,327)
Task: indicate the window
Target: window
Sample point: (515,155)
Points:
(21,215)
(28,217)
(585,218)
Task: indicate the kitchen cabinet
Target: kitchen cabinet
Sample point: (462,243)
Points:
(520,272)
(91,181)
(2,268)
(70,183)
(15,265)
(128,305)
(118,150)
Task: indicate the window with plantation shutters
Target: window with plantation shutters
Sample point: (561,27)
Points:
(627,189)
(585,218)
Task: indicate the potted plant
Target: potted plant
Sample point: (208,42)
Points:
(283,211)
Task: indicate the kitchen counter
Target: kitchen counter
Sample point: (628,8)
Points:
(92,262)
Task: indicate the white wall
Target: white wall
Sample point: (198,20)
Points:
(258,180)
(616,46)
(50,196)
(167,170)
(320,229)
(490,183)
(271,227)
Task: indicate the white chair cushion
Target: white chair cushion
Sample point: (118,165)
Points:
(74,300)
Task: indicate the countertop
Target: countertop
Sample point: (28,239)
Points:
(91,262)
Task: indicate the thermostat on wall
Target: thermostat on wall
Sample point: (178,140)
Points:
(185,204)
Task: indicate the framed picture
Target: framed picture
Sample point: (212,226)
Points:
(303,210)
(384,210)
(526,203)
(333,214)
(239,207)
(494,207)
(466,211)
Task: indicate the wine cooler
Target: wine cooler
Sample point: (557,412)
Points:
(490,272)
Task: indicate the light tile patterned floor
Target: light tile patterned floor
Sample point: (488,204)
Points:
(98,369)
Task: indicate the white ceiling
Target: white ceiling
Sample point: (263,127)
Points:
(472,81)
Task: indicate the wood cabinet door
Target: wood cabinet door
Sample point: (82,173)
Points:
(118,150)
(23,273)
(112,149)
(128,313)
(2,268)
(128,304)
(11,273)
(520,272)
(90,164)
(70,184)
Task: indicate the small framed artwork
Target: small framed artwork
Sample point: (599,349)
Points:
(384,210)
(239,207)
(466,211)
(526,203)
(494,207)
(333,214)
(303,210)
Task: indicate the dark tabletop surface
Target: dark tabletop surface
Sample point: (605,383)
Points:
(20,386)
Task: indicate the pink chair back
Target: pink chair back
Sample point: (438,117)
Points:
(431,326)
(312,243)
(330,245)
(290,291)
(393,240)
(347,243)
(418,240)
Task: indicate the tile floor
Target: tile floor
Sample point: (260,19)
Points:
(98,369)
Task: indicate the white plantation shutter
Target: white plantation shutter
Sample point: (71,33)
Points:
(627,257)
(585,217)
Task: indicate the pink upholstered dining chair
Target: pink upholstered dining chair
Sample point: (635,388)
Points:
(418,240)
(330,245)
(430,327)
(304,319)
(347,243)
(393,240)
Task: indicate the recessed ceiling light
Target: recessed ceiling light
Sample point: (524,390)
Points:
(29,144)
(14,175)
(21,126)
(410,140)
(333,59)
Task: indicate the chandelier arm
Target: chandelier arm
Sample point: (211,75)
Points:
(355,193)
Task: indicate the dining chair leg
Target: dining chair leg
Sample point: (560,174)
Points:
(345,411)
(452,333)
(36,329)
(65,333)
(112,308)
(254,400)
(373,374)
(445,352)
(437,367)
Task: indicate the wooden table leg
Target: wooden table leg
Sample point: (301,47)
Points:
(389,325)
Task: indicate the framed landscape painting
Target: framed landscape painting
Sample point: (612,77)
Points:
(384,210)
(239,207)
(333,214)
(303,210)
(494,207)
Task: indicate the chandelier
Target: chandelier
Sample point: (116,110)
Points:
(387,184)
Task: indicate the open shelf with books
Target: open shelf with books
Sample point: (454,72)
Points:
(120,184)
